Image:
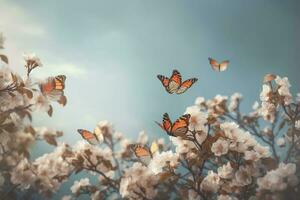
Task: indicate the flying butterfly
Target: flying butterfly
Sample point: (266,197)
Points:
(89,136)
(54,88)
(174,84)
(218,66)
(144,153)
(178,128)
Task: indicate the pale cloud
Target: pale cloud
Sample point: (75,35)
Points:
(67,69)
(15,20)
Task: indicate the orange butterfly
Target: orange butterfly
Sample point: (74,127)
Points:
(218,66)
(178,128)
(174,83)
(145,153)
(54,88)
(88,136)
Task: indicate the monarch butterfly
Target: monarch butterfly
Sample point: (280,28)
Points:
(144,153)
(89,136)
(178,128)
(54,88)
(174,83)
(218,66)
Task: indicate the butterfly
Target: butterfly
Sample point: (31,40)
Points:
(178,128)
(218,66)
(54,88)
(144,153)
(174,83)
(89,136)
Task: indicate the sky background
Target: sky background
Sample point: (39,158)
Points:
(111,52)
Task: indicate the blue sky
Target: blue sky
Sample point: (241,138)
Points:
(111,52)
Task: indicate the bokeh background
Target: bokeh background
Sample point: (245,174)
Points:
(111,52)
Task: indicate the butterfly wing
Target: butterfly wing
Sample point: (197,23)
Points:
(154,148)
(186,85)
(88,136)
(224,65)
(175,82)
(180,126)
(142,153)
(59,82)
(164,80)
(214,64)
(47,87)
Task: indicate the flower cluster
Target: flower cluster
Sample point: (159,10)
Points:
(220,153)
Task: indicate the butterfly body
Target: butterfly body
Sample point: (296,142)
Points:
(174,84)
(178,128)
(215,65)
(89,136)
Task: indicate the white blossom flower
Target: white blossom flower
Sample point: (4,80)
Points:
(234,101)
(226,171)
(143,138)
(200,102)
(255,105)
(283,90)
(220,147)
(278,179)
(135,178)
(161,160)
(267,111)
(242,176)
(32,60)
(104,129)
(79,184)
(198,119)
(211,182)
(264,95)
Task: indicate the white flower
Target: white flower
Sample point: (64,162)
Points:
(242,177)
(32,60)
(220,147)
(264,95)
(234,101)
(143,138)
(182,146)
(255,105)
(104,129)
(79,184)
(161,160)
(200,102)
(297,124)
(135,178)
(278,179)
(251,155)
(226,171)
(267,111)
(211,182)
(197,120)
(284,89)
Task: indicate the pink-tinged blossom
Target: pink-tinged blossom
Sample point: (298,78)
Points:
(243,176)
(226,197)
(211,182)
(143,138)
(160,160)
(226,171)
(32,60)
(279,179)
(198,119)
(234,101)
(220,147)
(284,90)
(138,179)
